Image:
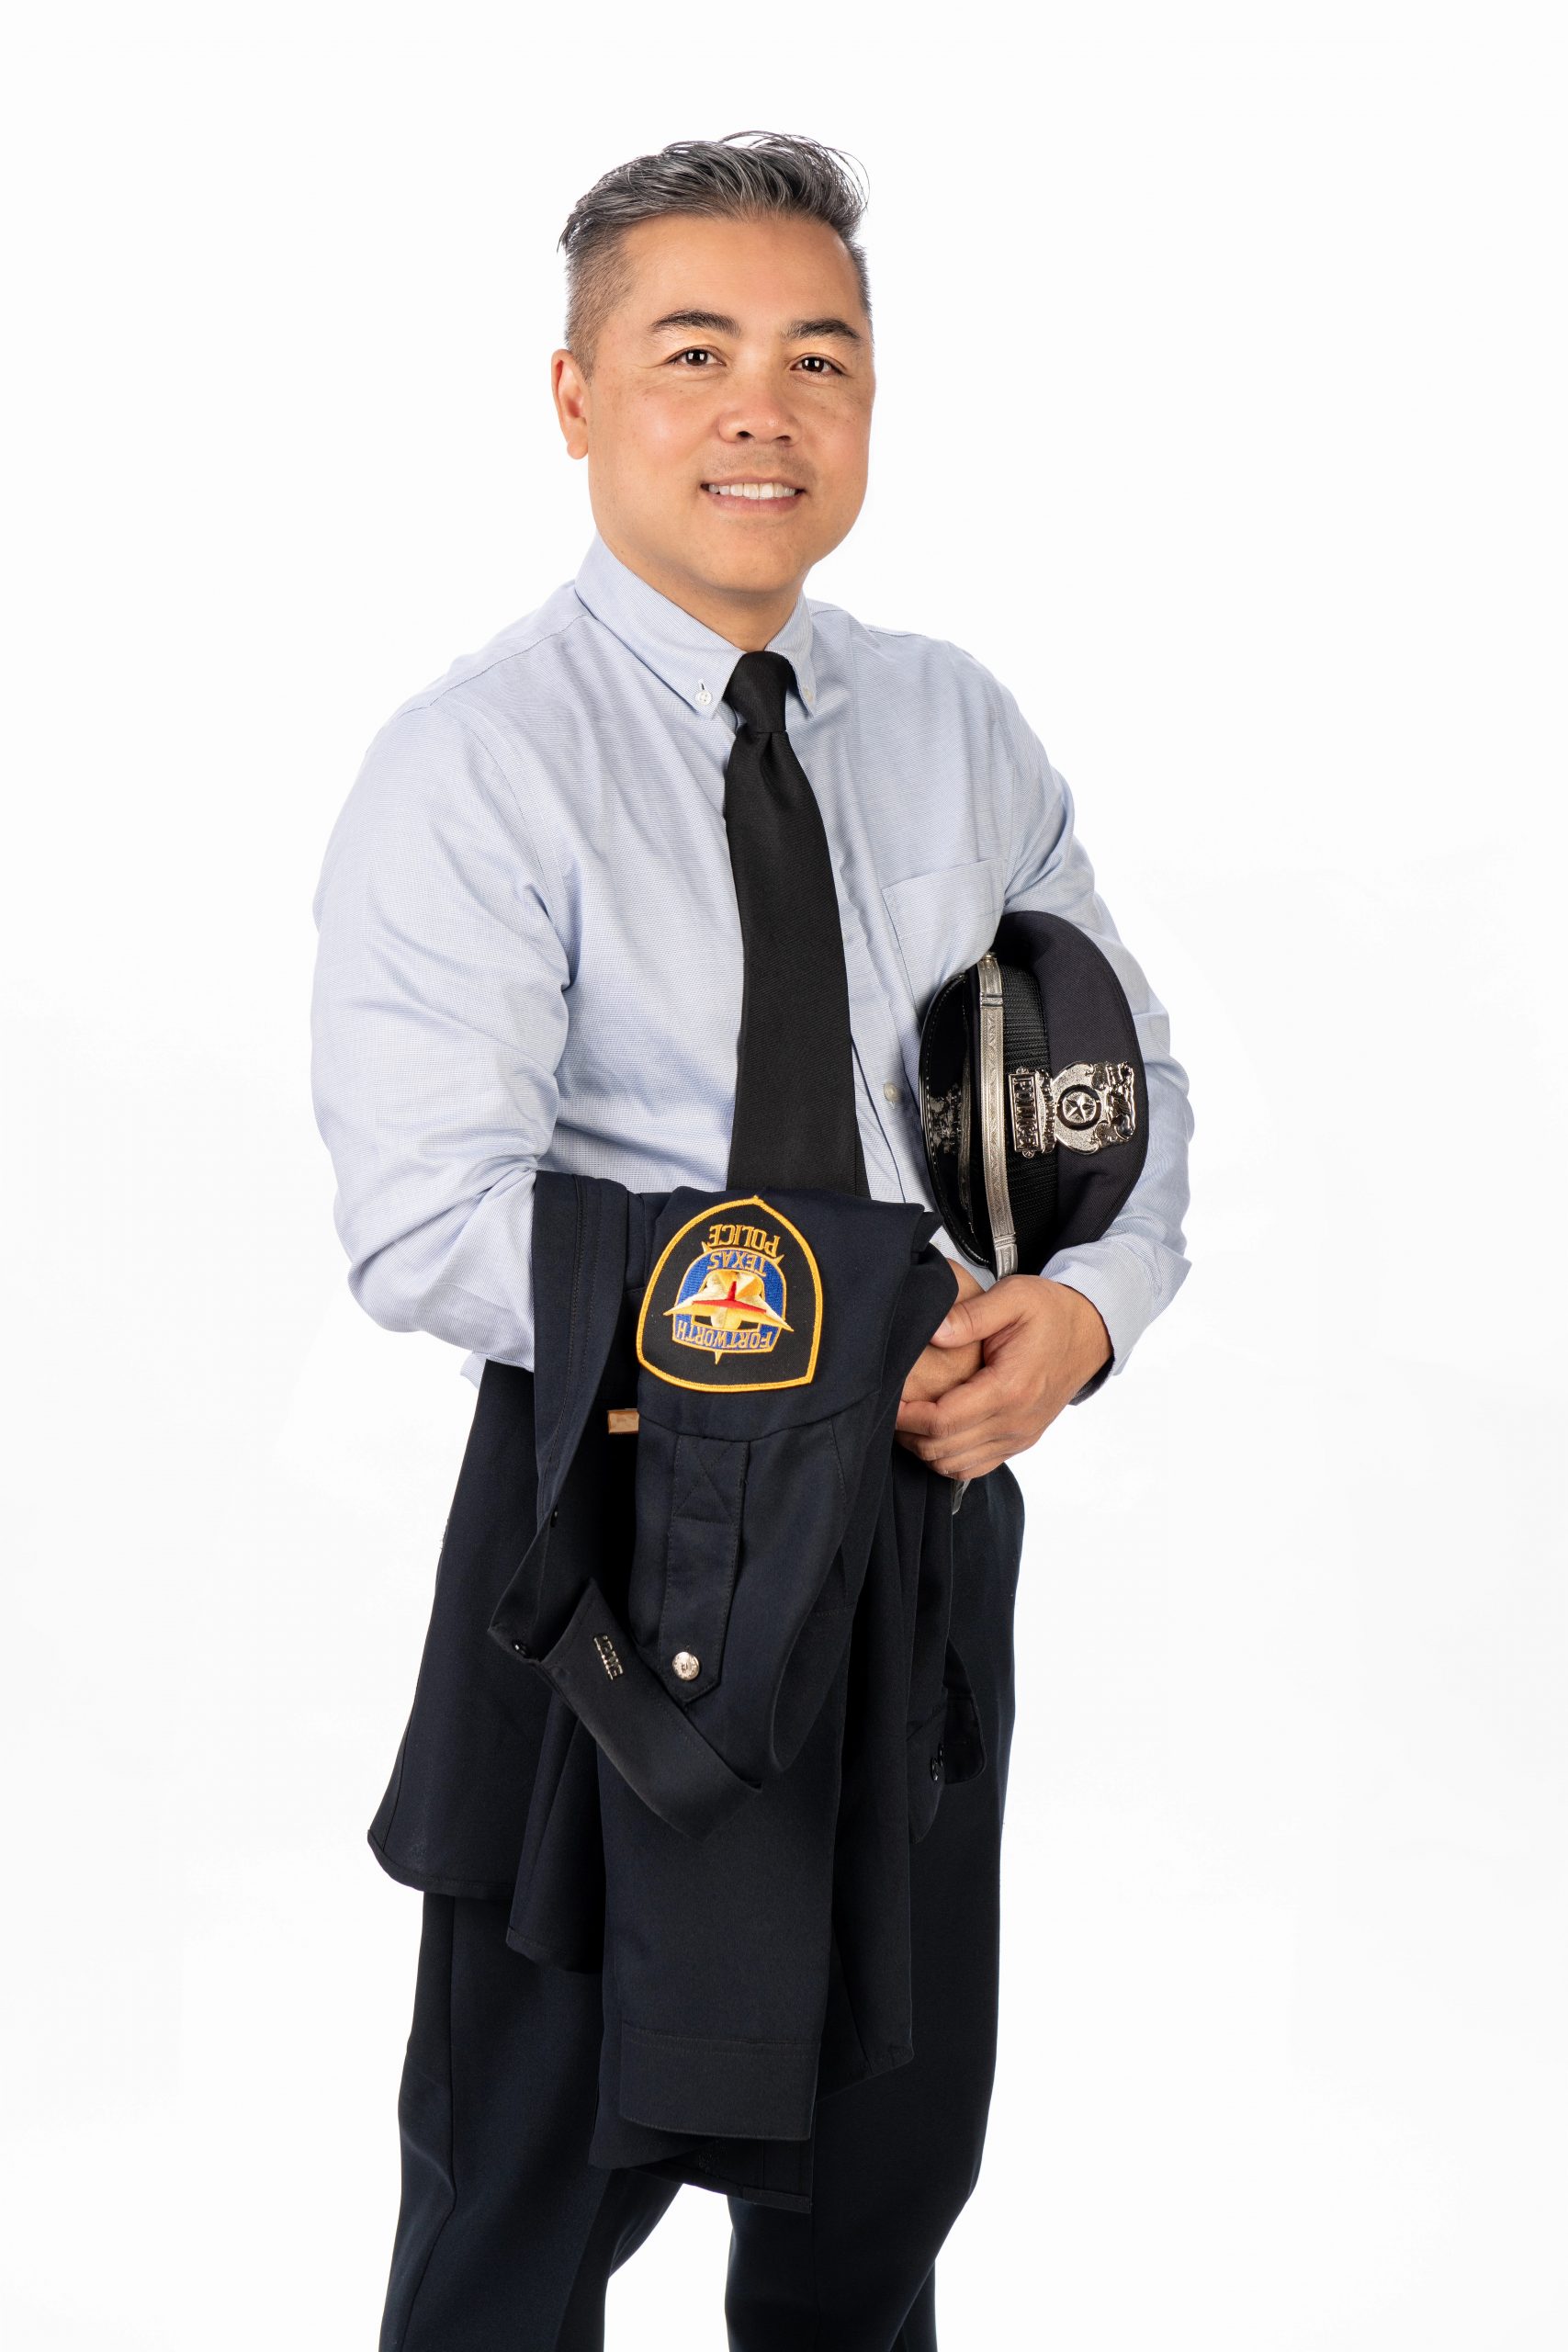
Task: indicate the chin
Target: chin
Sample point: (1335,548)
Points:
(754,567)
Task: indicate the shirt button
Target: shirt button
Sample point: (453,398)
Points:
(703,695)
(686,1666)
(892,1093)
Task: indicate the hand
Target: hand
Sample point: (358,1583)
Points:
(1038,1342)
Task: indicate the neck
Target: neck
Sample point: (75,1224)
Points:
(747,618)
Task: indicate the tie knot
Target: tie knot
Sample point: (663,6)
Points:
(756,691)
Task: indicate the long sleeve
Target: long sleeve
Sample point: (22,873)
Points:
(1139,1263)
(438,1020)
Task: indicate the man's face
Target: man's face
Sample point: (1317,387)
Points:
(741,354)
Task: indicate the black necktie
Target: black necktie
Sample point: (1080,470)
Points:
(794,1093)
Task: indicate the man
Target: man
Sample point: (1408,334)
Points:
(531,957)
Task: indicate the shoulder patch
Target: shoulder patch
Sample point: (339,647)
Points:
(735,1301)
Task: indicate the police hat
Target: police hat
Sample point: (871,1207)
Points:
(1033,1101)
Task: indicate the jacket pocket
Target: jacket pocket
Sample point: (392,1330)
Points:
(963,1740)
(686,1555)
(946,1748)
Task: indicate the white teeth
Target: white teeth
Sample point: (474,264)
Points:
(750,489)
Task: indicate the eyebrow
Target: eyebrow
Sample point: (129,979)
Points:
(798,330)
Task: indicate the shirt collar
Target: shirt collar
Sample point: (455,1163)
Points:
(690,658)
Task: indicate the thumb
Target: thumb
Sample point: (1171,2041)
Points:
(991,1308)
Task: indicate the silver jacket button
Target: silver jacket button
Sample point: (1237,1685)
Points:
(687,1667)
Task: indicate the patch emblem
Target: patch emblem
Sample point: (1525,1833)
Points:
(734,1302)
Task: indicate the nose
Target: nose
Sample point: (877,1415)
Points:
(756,427)
(759,410)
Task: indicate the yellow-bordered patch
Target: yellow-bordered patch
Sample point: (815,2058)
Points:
(743,1300)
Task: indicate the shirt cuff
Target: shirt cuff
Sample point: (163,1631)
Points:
(1115,1284)
(645,1734)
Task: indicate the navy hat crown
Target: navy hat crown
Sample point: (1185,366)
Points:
(1034,1097)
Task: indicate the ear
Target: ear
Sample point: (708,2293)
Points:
(569,386)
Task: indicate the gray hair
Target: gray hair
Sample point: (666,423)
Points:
(739,177)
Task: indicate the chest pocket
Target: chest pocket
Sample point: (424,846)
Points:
(943,921)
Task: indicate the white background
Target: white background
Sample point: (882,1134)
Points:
(1220,414)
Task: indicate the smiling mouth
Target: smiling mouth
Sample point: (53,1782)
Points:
(754,493)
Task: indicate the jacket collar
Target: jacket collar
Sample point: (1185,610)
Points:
(690,658)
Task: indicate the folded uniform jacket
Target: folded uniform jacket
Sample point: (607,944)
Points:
(754,1698)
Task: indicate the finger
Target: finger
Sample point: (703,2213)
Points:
(912,1412)
(963,1409)
(979,1315)
(999,1430)
(969,1466)
(930,1377)
(957,1461)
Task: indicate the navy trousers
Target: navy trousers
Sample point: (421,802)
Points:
(506,2236)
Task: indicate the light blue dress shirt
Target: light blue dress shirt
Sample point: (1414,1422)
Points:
(529,952)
